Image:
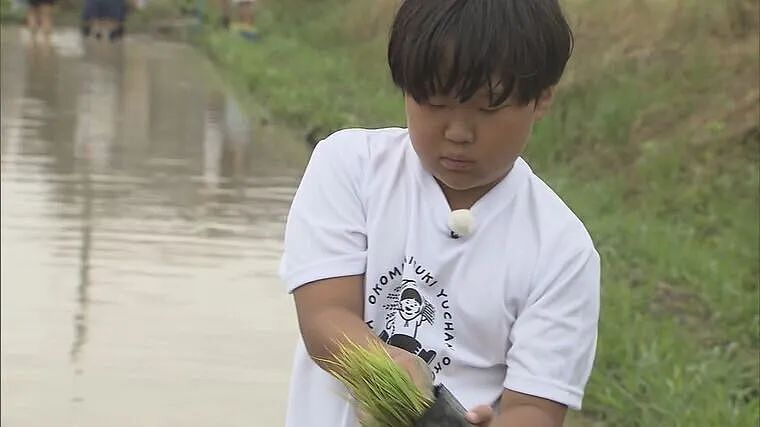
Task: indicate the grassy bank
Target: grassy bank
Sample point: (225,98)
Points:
(654,143)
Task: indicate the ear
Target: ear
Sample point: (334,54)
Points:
(543,103)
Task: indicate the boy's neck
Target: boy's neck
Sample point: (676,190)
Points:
(464,199)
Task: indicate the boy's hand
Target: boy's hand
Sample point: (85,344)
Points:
(420,373)
(480,415)
(414,366)
(518,409)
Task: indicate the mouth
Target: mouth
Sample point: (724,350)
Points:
(456,163)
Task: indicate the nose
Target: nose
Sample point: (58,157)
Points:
(459,131)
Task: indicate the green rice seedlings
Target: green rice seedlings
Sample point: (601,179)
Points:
(385,393)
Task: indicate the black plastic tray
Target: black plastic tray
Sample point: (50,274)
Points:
(445,412)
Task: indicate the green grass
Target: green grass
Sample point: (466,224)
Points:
(652,141)
(11,14)
(289,79)
(670,193)
(8,13)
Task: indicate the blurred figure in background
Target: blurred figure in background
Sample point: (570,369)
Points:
(39,16)
(104,18)
(245,11)
(221,12)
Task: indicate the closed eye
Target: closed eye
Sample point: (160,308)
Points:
(495,108)
(436,106)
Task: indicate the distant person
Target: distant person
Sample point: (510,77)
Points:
(39,17)
(245,12)
(221,11)
(104,19)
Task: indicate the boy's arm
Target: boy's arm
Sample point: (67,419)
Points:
(520,410)
(331,311)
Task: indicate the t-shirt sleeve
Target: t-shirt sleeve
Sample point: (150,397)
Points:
(553,339)
(325,233)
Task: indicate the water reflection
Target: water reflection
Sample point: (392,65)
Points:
(141,225)
(80,316)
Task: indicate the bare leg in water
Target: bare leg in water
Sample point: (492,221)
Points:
(40,18)
(102,28)
(33,21)
(46,20)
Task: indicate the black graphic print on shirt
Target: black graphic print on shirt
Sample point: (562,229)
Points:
(412,311)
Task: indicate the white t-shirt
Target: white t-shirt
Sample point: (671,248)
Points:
(514,305)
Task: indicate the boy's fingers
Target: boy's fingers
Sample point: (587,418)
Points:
(480,415)
(417,369)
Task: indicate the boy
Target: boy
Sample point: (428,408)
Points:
(511,307)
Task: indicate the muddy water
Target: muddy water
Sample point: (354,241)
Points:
(142,215)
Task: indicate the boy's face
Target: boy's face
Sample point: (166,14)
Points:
(467,146)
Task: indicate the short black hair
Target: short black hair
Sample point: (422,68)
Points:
(411,293)
(457,47)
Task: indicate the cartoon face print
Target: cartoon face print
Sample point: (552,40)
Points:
(410,304)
